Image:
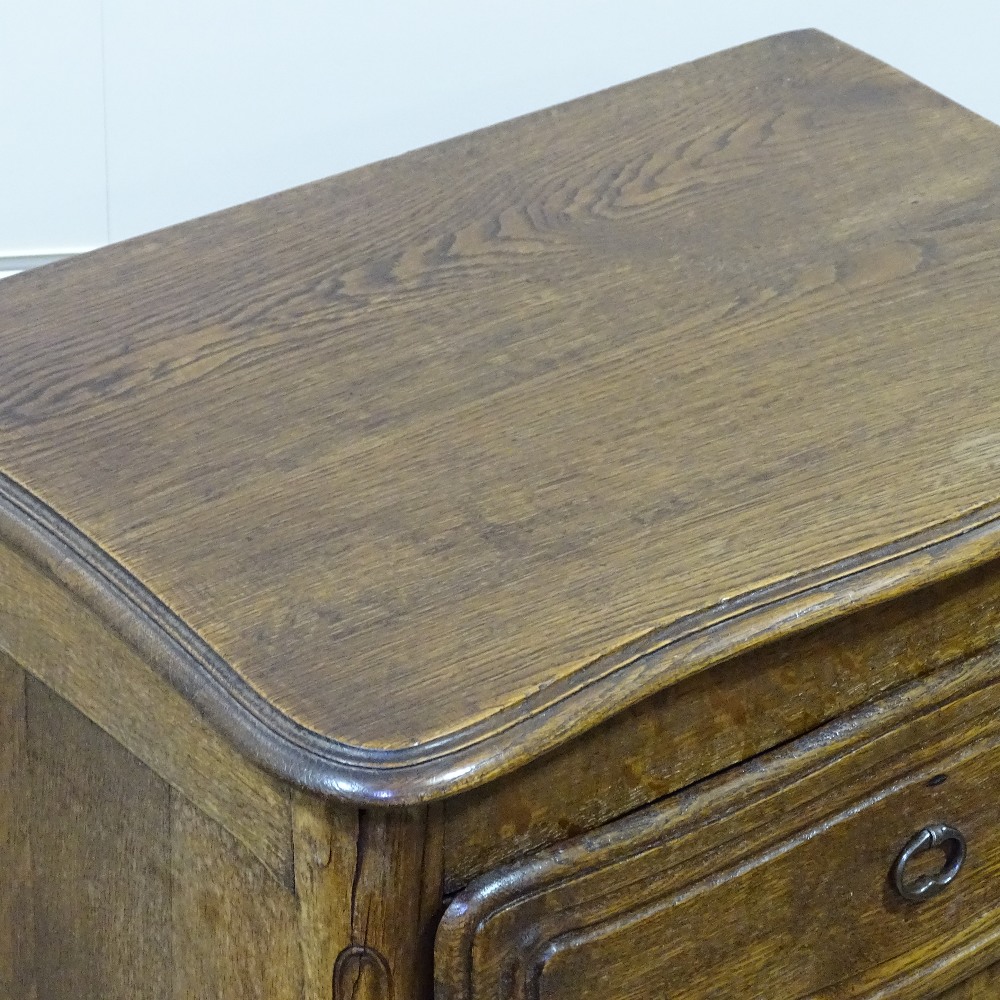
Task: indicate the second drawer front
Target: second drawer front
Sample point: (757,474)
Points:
(773,882)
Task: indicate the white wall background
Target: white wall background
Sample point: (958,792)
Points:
(117,116)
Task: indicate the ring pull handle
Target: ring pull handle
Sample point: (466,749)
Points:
(937,835)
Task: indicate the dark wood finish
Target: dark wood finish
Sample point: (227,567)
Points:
(718,718)
(523,427)
(985,986)
(601,508)
(369,883)
(929,971)
(17,939)
(235,931)
(395,905)
(770,881)
(100,844)
(65,645)
(116,886)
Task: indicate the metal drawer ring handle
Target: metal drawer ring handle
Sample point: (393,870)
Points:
(926,886)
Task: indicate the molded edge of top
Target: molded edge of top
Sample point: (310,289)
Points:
(511,737)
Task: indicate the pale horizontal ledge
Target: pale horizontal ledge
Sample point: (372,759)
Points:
(25,262)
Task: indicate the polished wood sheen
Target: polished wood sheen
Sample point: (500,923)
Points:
(561,562)
(522,427)
(985,986)
(718,718)
(707,894)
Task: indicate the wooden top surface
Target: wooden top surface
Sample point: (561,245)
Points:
(412,473)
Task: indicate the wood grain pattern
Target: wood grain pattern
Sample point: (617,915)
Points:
(985,986)
(17,939)
(551,472)
(325,859)
(235,930)
(929,970)
(450,428)
(100,842)
(768,881)
(718,718)
(395,903)
(116,886)
(66,646)
(369,884)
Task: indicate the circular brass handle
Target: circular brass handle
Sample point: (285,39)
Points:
(923,887)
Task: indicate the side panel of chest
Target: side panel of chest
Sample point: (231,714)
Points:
(115,887)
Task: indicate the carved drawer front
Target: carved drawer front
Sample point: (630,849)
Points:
(786,878)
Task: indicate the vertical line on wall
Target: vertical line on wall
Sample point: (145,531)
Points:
(104,111)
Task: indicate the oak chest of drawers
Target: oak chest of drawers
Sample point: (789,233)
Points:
(559,563)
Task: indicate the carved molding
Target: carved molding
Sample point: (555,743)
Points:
(361,973)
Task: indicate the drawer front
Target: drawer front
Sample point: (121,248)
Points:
(770,882)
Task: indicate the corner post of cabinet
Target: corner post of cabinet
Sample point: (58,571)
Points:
(369,884)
